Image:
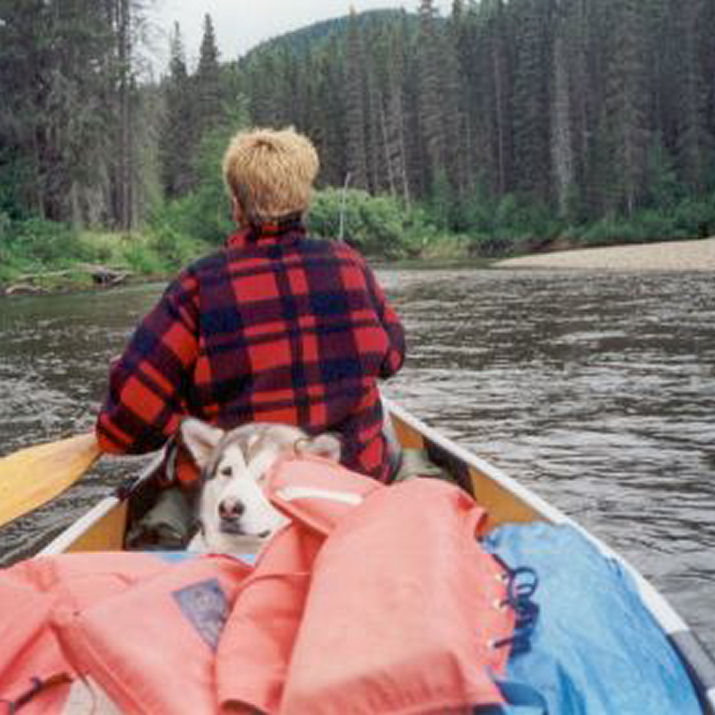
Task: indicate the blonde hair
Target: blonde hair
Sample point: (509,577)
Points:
(270,172)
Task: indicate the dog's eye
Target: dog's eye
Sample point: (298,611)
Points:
(226,471)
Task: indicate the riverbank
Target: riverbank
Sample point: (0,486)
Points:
(693,255)
(39,257)
(135,259)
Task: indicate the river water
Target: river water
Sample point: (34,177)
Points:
(596,390)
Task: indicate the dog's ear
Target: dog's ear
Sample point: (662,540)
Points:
(324,445)
(200,438)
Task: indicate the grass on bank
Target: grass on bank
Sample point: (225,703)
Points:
(47,256)
(51,256)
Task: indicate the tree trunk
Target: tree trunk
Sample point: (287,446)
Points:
(561,141)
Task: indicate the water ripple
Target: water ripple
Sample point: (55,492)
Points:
(595,390)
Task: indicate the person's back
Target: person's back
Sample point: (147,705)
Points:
(276,327)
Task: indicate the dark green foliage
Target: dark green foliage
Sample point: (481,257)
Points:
(356,110)
(69,109)
(512,122)
(178,131)
(43,241)
(204,214)
(208,92)
(15,175)
(377,225)
(580,111)
(530,97)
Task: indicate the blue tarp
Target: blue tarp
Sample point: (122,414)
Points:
(594,648)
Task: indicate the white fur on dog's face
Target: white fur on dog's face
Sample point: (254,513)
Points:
(234,511)
(234,493)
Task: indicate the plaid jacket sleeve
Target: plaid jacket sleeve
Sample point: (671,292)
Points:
(148,384)
(395,355)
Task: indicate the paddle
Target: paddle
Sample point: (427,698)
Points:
(33,476)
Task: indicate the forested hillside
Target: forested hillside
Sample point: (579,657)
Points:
(509,124)
(568,111)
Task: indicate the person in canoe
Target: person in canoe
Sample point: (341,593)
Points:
(277,326)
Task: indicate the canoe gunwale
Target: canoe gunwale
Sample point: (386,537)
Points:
(64,541)
(546,510)
(102,511)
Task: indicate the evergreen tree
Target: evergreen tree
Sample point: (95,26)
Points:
(706,53)
(263,82)
(329,128)
(355,106)
(494,107)
(393,116)
(209,105)
(577,34)
(590,107)
(627,133)
(530,101)
(177,141)
(70,101)
(454,109)
(562,151)
(694,144)
(123,198)
(431,117)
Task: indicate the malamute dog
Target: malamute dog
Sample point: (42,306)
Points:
(233,511)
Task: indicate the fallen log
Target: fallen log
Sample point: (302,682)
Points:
(104,276)
(31,277)
(24,289)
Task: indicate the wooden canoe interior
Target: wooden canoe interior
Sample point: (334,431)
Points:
(502,506)
(107,534)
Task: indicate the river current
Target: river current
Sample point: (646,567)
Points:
(596,390)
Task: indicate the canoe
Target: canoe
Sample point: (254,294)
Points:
(505,500)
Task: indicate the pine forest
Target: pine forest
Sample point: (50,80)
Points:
(507,126)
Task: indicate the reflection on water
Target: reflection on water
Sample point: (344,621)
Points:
(597,391)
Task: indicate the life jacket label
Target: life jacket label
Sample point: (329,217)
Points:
(206,607)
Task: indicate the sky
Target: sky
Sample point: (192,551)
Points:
(242,24)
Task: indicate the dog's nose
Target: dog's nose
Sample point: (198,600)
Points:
(231,508)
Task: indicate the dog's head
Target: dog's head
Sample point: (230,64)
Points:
(234,465)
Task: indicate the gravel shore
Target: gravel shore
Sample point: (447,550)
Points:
(697,255)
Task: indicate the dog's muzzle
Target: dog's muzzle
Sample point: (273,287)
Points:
(232,525)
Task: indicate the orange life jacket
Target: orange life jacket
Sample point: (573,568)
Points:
(43,599)
(373,599)
(403,607)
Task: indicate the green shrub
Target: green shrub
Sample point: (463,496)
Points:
(695,216)
(377,225)
(654,225)
(205,213)
(44,241)
(103,247)
(664,189)
(142,260)
(610,230)
(5,225)
(173,248)
(687,218)
(491,245)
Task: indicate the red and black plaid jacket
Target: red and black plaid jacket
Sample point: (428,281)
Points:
(275,327)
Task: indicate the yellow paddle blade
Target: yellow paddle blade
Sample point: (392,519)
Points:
(31,477)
